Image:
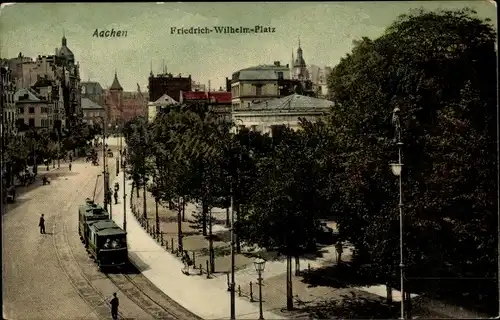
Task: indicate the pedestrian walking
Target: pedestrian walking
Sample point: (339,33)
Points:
(114,306)
(70,166)
(340,249)
(116,196)
(41,224)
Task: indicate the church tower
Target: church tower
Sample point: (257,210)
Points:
(299,67)
(115,102)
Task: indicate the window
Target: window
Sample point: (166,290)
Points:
(280,75)
(31,122)
(44,110)
(258,90)
(31,110)
(21,110)
(44,123)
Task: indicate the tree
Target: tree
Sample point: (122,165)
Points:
(438,68)
(283,213)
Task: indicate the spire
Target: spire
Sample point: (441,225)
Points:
(299,42)
(64,42)
(116,84)
(151,67)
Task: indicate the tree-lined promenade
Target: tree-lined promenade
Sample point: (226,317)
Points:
(32,146)
(438,68)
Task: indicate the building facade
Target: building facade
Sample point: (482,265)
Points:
(264,116)
(32,110)
(60,67)
(168,84)
(122,106)
(155,107)
(8,90)
(51,92)
(93,112)
(258,83)
(319,78)
(93,91)
(218,101)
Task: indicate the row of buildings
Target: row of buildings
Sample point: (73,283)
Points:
(260,97)
(48,92)
(41,92)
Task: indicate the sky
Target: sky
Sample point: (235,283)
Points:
(326,31)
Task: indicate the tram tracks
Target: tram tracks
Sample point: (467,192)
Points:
(66,259)
(82,273)
(128,287)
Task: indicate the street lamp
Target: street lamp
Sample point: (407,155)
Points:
(260,265)
(105,167)
(397,171)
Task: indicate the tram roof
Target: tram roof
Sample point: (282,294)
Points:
(106,228)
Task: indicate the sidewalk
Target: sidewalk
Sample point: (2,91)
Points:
(207,298)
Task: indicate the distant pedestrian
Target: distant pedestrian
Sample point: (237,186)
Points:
(116,196)
(114,306)
(340,250)
(70,166)
(41,224)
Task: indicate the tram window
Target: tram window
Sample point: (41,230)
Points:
(107,244)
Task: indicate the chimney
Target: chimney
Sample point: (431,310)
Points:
(277,63)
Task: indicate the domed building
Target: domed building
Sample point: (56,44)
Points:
(65,53)
(69,75)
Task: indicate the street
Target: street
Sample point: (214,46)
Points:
(51,276)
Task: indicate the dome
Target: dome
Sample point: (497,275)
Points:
(65,52)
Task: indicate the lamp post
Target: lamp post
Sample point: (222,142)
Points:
(260,265)
(104,166)
(118,158)
(397,171)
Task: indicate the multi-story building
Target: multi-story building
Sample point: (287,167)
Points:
(155,107)
(32,110)
(218,101)
(51,92)
(8,90)
(92,111)
(266,116)
(60,67)
(319,78)
(196,86)
(168,84)
(93,91)
(122,106)
(258,83)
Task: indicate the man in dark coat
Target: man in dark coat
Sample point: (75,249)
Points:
(114,306)
(41,224)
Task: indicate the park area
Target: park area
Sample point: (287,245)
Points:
(322,288)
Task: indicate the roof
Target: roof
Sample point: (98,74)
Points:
(43,83)
(214,96)
(293,102)
(262,72)
(220,96)
(106,228)
(165,100)
(90,104)
(116,84)
(92,87)
(32,96)
(93,210)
